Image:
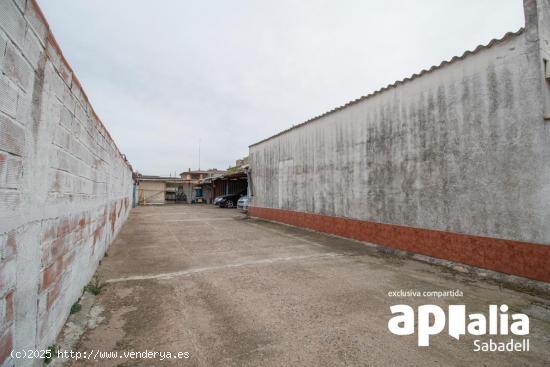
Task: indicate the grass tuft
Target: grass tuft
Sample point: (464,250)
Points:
(95,286)
(76,307)
(51,353)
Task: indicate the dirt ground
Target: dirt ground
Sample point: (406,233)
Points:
(233,291)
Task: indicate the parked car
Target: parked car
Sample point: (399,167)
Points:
(228,201)
(243,202)
(217,200)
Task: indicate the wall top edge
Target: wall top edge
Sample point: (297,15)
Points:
(396,84)
(53,42)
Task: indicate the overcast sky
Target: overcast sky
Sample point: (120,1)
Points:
(163,74)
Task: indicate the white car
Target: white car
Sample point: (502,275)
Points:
(243,202)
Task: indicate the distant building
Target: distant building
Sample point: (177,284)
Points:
(240,164)
(218,183)
(192,185)
(200,175)
(154,190)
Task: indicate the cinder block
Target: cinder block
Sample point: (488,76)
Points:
(53,53)
(54,181)
(51,274)
(14,173)
(9,201)
(69,101)
(8,306)
(65,161)
(62,138)
(12,136)
(50,111)
(48,230)
(66,119)
(3,44)
(80,152)
(79,94)
(12,21)
(36,22)
(11,170)
(66,74)
(17,68)
(7,275)
(32,49)
(77,130)
(80,113)
(21,5)
(53,82)
(8,245)
(86,139)
(53,294)
(58,86)
(8,97)
(24,109)
(60,182)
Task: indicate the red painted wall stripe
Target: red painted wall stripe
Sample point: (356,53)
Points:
(512,257)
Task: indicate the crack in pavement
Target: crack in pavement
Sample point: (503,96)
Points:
(199,220)
(221,267)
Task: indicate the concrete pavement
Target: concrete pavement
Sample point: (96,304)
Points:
(233,291)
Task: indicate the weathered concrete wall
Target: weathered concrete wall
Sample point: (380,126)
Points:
(65,189)
(462,148)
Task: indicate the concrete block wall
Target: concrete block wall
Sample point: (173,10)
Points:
(452,163)
(65,188)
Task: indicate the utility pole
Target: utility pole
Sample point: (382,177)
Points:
(199,154)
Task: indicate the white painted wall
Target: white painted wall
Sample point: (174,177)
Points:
(65,189)
(462,148)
